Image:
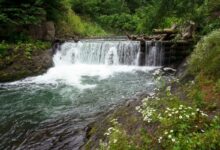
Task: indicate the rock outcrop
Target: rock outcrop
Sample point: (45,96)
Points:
(45,31)
(18,66)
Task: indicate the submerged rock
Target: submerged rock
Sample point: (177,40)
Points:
(168,71)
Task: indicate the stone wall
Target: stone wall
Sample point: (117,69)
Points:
(174,52)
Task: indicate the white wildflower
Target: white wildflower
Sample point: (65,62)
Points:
(159,139)
(173,140)
(203,114)
(168,88)
(138,108)
(107,134)
(169,136)
(168,108)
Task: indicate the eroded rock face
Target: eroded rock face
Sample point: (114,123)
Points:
(49,31)
(45,31)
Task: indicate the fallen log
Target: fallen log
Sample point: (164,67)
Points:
(165,31)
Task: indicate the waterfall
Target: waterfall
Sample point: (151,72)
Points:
(154,53)
(109,52)
(98,52)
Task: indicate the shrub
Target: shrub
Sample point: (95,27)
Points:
(206,56)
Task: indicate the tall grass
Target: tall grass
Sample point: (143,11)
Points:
(71,24)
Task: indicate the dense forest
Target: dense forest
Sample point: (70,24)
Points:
(99,17)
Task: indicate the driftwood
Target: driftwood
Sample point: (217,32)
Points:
(144,38)
(165,31)
(167,34)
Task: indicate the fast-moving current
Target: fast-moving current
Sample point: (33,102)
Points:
(89,78)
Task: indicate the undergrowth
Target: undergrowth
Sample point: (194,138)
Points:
(181,124)
(25,48)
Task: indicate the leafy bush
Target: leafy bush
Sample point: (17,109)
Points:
(206,56)
(120,22)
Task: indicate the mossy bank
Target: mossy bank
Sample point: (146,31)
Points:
(24,59)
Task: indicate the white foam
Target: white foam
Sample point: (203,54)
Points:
(70,71)
(72,74)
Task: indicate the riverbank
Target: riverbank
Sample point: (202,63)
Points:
(24,59)
(174,117)
(183,115)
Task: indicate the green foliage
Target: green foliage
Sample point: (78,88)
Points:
(179,125)
(3,48)
(15,18)
(31,12)
(139,16)
(71,24)
(27,48)
(206,56)
(119,17)
(196,94)
(213,5)
(95,8)
(23,13)
(142,16)
(120,22)
(118,139)
(217,86)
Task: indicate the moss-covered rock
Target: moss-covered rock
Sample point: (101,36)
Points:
(23,60)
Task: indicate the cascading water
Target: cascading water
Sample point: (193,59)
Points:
(154,53)
(51,111)
(99,52)
(109,53)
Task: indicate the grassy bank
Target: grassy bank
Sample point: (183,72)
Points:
(185,115)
